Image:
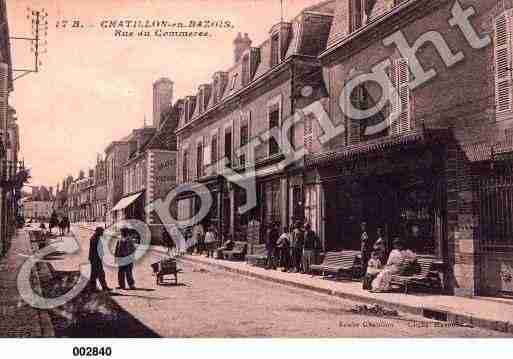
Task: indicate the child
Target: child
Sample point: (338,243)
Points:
(373,268)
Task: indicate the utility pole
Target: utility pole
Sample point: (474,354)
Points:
(39,32)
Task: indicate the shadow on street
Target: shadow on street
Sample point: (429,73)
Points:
(92,314)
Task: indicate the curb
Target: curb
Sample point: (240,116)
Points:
(452,317)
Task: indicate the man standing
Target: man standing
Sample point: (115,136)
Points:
(95,258)
(283,249)
(366,247)
(296,247)
(272,239)
(125,249)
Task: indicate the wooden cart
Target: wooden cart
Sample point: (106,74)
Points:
(166,267)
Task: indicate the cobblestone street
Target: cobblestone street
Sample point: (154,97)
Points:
(209,302)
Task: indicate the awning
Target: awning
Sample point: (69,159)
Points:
(125,202)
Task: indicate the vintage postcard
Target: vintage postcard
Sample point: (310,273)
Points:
(256,168)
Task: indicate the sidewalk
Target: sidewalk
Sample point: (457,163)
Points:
(489,313)
(17,318)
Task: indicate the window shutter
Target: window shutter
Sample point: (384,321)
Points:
(503,52)
(308,136)
(403,84)
(251,151)
(4,94)
(400,78)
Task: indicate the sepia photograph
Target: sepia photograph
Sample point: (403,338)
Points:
(290,169)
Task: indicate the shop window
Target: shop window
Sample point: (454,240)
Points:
(311,207)
(272,202)
(297,203)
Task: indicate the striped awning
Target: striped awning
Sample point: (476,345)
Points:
(125,202)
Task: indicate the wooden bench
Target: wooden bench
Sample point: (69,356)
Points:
(258,257)
(340,263)
(166,267)
(426,276)
(238,252)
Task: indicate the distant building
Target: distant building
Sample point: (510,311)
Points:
(34,209)
(162,99)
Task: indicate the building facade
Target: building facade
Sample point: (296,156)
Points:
(437,173)
(7,167)
(150,172)
(116,154)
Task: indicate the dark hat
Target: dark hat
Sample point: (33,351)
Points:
(98,231)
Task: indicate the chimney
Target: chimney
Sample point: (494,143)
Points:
(240,44)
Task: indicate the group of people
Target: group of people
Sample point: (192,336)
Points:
(204,241)
(124,251)
(379,266)
(296,249)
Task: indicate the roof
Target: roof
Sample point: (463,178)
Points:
(165,138)
(306,37)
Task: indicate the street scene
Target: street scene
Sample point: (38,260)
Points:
(329,169)
(210,302)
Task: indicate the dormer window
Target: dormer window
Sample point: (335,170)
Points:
(245,70)
(234,81)
(216,90)
(356,14)
(201,103)
(275,49)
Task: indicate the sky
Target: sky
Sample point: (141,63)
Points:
(94,87)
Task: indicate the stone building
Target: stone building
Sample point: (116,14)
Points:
(116,154)
(438,173)
(7,167)
(150,171)
(99,192)
(258,92)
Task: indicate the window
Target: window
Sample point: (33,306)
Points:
(245,70)
(234,81)
(213,151)
(216,90)
(199,160)
(200,101)
(272,202)
(274,122)
(244,139)
(228,144)
(356,14)
(275,50)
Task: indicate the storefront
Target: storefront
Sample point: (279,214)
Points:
(130,207)
(398,188)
